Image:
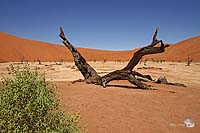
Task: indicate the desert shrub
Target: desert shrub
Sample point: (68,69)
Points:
(28,104)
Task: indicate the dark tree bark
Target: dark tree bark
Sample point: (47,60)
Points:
(127,73)
(88,72)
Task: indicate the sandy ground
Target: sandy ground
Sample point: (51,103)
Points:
(122,108)
(66,71)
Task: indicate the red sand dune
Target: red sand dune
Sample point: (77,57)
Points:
(13,48)
(181,50)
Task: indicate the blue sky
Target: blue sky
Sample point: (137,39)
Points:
(101,24)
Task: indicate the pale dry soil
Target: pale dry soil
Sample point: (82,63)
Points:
(123,108)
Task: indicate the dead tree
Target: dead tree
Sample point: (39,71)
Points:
(22,60)
(39,62)
(127,73)
(189,60)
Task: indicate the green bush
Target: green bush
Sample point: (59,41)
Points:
(29,104)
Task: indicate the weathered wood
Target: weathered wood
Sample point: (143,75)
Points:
(163,80)
(189,61)
(127,73)
(88,72)
(150,49)
(127,70)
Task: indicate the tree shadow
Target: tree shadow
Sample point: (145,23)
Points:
(125,86)
(114,85)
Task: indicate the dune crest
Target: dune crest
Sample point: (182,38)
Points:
(13,48)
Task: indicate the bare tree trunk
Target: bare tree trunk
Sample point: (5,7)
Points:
(127,73)
(88,72)
(189,60)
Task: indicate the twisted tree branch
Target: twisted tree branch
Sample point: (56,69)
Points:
(127,73)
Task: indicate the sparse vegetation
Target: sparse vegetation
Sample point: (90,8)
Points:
(61,61)
(39,62)
(22,59)
(28,104)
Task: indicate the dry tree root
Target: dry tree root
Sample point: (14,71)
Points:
(163,80)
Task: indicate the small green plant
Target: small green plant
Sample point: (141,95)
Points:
(28,104)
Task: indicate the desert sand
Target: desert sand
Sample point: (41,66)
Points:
(121,107)
(13,48)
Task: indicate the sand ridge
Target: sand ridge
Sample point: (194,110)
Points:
(13,48)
